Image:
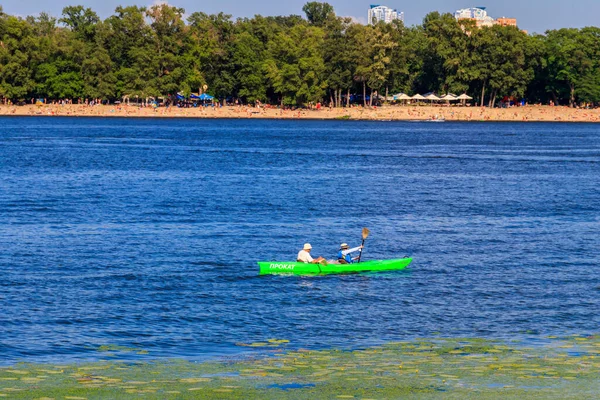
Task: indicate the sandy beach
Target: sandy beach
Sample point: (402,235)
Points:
(384,113)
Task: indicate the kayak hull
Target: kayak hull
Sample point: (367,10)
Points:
(295,268)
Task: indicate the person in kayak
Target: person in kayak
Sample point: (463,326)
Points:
(344,255)
(305,257)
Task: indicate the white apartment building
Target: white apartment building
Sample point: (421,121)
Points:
(479,14)
(379,13)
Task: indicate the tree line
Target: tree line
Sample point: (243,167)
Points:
(288,60)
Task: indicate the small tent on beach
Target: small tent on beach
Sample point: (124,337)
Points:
(203,97)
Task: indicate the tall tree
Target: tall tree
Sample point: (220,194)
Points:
(399,75)
(248,59)
(337,50)
(211,43)
(443,45)
(295,66)
(372,52)
(318,13)
(381,45)
(16,77)
(569,59)
(168,35)
(81,21)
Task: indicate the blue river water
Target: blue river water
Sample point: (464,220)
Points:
(146,233)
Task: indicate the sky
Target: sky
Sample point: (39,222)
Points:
(535,16)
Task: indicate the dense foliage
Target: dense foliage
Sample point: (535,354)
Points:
(287,60)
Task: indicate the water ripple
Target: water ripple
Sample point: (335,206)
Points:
(146,233)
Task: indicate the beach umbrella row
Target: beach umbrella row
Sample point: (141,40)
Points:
(432,97)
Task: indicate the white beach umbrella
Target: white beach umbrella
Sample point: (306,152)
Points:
(432,97)
(449,97)
(401,96)
(417,97)
(463,98)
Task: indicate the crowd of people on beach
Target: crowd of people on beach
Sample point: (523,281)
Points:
(96,108)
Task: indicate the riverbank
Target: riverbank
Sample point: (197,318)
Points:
(426,369)
(385,113)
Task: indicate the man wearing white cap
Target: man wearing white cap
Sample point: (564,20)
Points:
(344,256)
(305,257)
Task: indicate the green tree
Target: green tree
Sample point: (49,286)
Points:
(130,45)
(211,45)
(570,60)
(499,61)
(248,60)
(337,50)
(16,80)
(442,51)
(400,77)
(539,89)
(295,65)
(80,20)
(372,55)
(318,14)
(168,37)
(381,44)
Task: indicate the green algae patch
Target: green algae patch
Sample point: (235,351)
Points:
(566,367)
(272,343)
(113,350)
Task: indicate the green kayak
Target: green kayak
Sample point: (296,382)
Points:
(296,268)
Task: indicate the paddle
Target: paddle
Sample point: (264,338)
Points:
(323,263)
(365,235)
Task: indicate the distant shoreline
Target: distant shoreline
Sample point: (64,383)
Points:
(385,113)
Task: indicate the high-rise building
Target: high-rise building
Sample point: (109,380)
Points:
(379,13)
(471,13)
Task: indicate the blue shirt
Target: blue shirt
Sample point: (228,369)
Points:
(347,257)
(345,254)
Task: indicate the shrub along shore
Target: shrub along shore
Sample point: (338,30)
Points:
(384,113)
(557,368)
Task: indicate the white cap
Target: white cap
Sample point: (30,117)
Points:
(307,246)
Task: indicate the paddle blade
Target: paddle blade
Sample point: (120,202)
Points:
(365,233)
